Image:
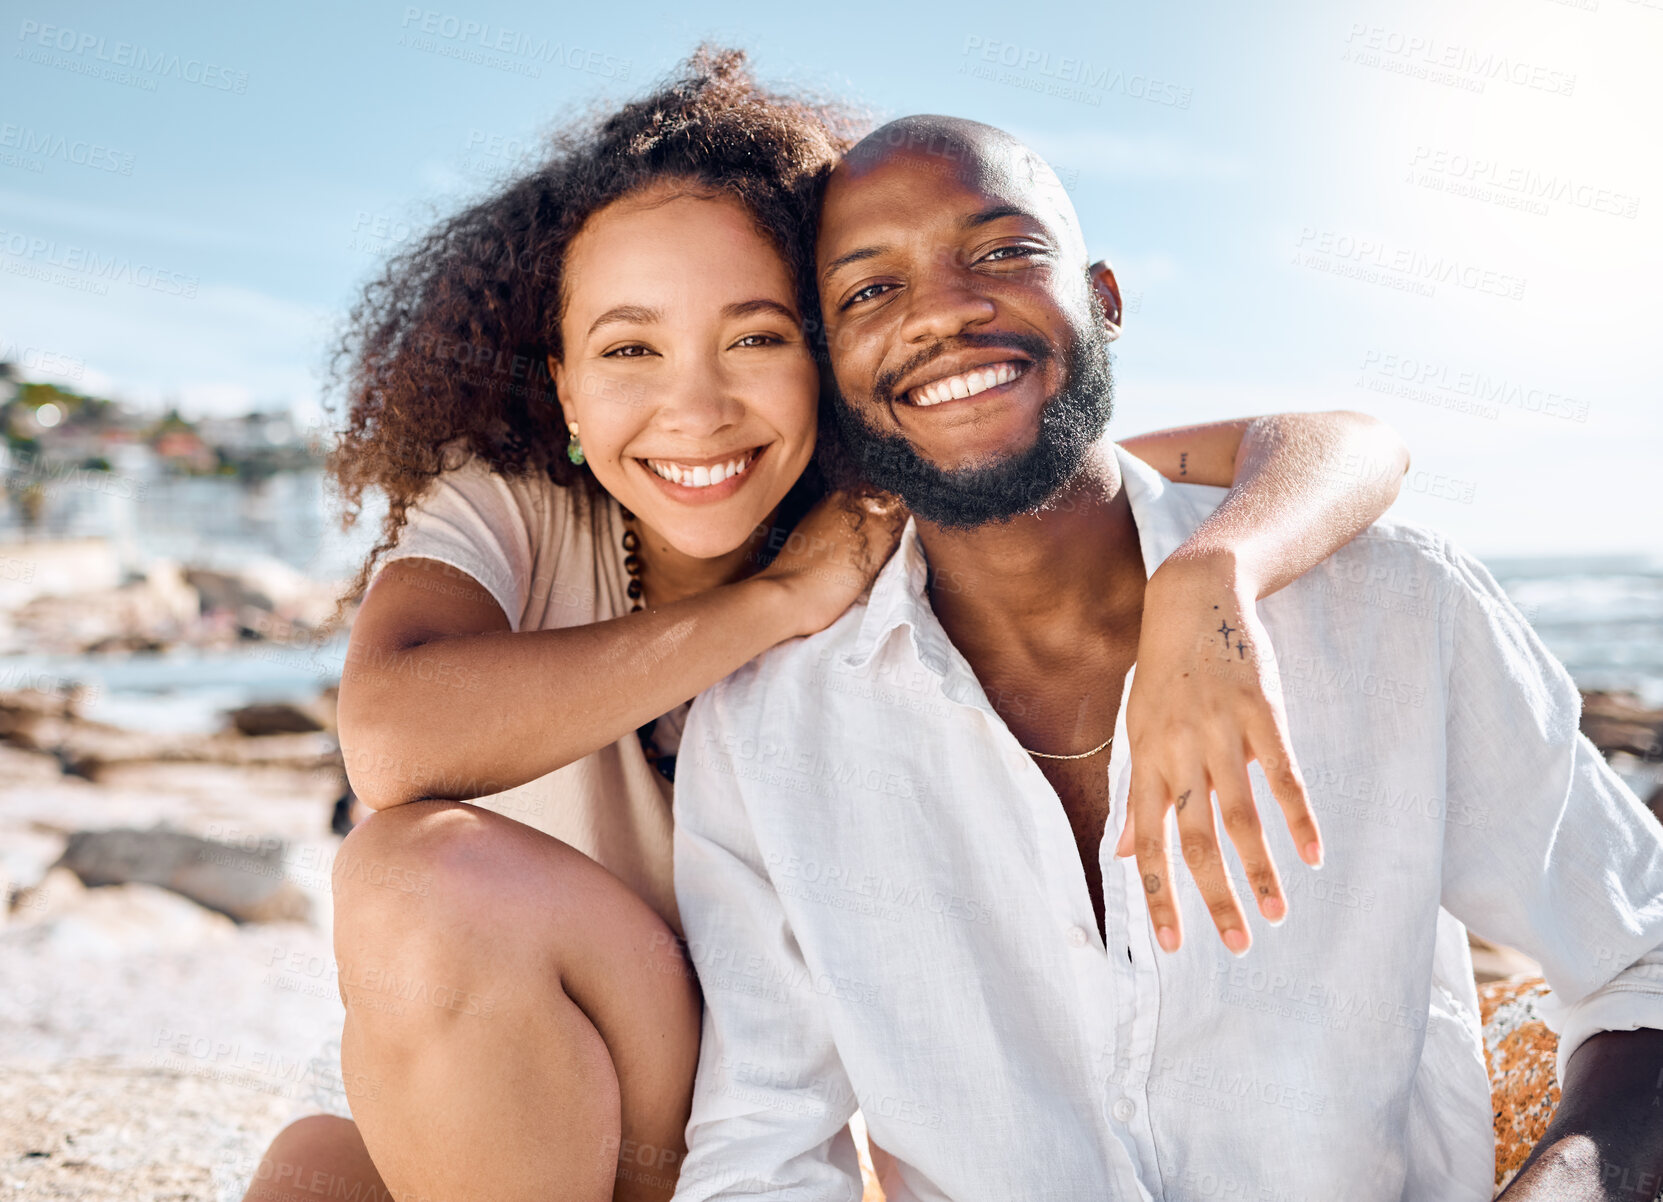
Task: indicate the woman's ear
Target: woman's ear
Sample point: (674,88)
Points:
(557,373)
(1107,291)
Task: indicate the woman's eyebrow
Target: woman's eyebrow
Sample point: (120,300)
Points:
(761,304)
(633,314)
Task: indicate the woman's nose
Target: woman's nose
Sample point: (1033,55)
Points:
(701,402)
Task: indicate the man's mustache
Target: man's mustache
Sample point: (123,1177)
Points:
(1031,345)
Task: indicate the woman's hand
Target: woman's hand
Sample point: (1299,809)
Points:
(1205,701)
(834,553)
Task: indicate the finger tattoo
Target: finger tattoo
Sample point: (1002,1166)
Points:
(1183,798)
(1151,883)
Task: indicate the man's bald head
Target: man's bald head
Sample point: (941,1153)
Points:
(968,338)
(977,155)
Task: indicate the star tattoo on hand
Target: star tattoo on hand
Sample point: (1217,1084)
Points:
(1226,630)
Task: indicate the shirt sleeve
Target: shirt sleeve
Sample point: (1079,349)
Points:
(471,518)
(1546,849)
(771,1102)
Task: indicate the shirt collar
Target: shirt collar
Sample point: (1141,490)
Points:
(1165,515)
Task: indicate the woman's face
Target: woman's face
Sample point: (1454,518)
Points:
(685,366)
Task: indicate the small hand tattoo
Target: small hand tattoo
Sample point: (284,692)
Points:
(1184,799)
(1264,890)
(1241,649)
(1183,463)
(1226,630)
(1151,883)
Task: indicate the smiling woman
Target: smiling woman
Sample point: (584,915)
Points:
(594,404)
(696,409)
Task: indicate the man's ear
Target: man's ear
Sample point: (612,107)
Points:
(1107,291)
(557,372)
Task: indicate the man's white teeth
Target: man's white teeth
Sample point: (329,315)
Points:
(701,476)
(966,384)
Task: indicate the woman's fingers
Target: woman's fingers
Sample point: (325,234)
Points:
(1269,745)
(1241,823)
(1146,808)
(1198,836)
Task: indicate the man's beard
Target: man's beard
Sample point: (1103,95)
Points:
(962,498)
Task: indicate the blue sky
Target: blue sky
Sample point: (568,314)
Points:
(1449,215)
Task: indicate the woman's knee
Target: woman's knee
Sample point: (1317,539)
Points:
(444,885)
(318,1154)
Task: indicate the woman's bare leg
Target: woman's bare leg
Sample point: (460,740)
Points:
(519,1023)
(317,1155)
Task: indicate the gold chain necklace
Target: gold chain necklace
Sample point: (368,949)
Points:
(1084,755)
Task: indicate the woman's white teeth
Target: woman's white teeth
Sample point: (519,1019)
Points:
(701,476)
(965,384)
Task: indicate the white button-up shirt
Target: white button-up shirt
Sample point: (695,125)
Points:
(885,904)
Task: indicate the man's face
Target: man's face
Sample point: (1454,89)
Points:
(969,356)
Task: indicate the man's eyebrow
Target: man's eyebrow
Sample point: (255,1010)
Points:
(761,304)
(619,314)
(993,214)
(970,222)
(854,256)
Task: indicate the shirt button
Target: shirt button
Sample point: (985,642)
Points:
(1123,1109)
(1077,937)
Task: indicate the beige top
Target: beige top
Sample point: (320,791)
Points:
(553,557)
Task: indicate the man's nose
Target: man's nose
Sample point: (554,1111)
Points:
(943,303)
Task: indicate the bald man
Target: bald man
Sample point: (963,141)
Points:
(895,844)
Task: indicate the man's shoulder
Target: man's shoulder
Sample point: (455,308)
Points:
(1431,552)
(1393,573)
(1402,561)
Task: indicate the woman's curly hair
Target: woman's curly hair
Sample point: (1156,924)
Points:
(446,351)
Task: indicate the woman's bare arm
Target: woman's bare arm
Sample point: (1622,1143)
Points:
(441,699)
(1302,486)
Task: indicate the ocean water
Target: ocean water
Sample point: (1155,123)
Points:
(1603,617)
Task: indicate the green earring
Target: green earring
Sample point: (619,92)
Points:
(574,446)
